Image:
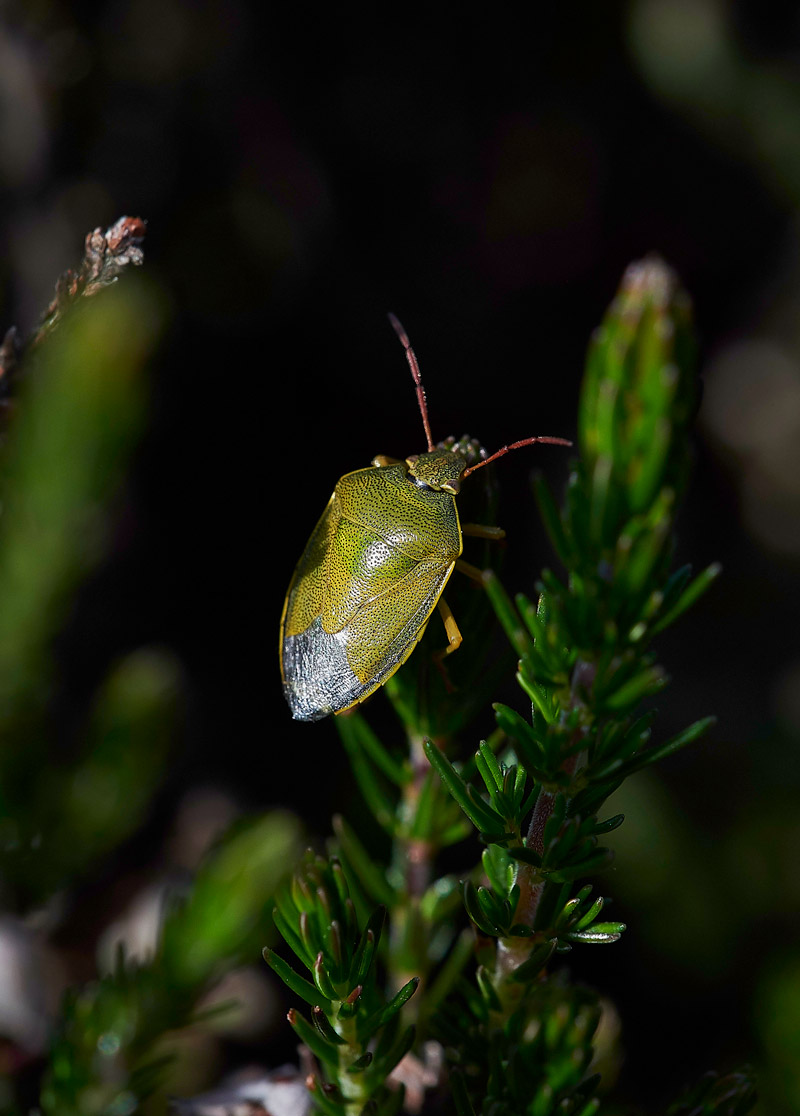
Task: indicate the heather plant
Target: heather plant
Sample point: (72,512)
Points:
(471,959)
(427,963)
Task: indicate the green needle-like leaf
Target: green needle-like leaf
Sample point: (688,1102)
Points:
(476,912)
(460,1095)
(591,914)
(654,755)
(384,1065)
(362,864)
(360,1064)
(487,989)
(601,932)
(692,593)
(326,1052)
(506,613)
(609,825)
(321,1022)
(301,987)
(537,960)
(525,855)
(367,946)
(382,1017)
(480,814)
(379,801)
(398,773)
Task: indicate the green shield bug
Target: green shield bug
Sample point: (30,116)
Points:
(375,568)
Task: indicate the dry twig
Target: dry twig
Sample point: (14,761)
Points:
(106,255)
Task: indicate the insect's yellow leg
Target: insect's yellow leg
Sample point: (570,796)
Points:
(454,636)
(454,640)
(380,460)
(481,531)
(472,572)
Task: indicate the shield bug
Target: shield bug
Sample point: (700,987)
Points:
(375,568)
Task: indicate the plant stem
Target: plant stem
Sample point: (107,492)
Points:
(413,863)
(351,1084)
(512,952)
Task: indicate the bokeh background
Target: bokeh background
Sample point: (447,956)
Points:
(487,176)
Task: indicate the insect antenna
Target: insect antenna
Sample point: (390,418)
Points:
(414,366)
(516,445)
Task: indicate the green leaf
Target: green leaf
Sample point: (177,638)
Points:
(362,864)
(481,815)
(392,1103)
(539,696)
(552,520)
(323,1025)
(246,867)
(360,1064)
(445,979)
(529,970)
(382,1017)
(525,855)
(375,795)
(460,1095)
(299,985)
(688,597)
(326,1052)
(609,825)
(365,951)
(326,1098)
(323,979)
(591,914)
(491,765)
(601,933)
(398,773)
(595,863)
(292,938)
(476,912)
(528,748)
(647,682)
(487,989)
(384,1064)
(567,911)
(506,613)
(653,755)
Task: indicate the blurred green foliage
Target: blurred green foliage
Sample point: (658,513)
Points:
(64,809)
(76,421)
(105,1057)
(777,1019)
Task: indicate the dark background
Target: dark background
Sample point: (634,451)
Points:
(487,177)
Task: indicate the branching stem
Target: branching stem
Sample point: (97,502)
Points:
(513,952)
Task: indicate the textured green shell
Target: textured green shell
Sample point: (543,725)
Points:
(368,581)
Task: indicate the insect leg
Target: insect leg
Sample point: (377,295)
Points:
(472,572)
(480,531)
(380,460)
(454,638)
(452,629)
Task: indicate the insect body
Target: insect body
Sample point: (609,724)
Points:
(374,570)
